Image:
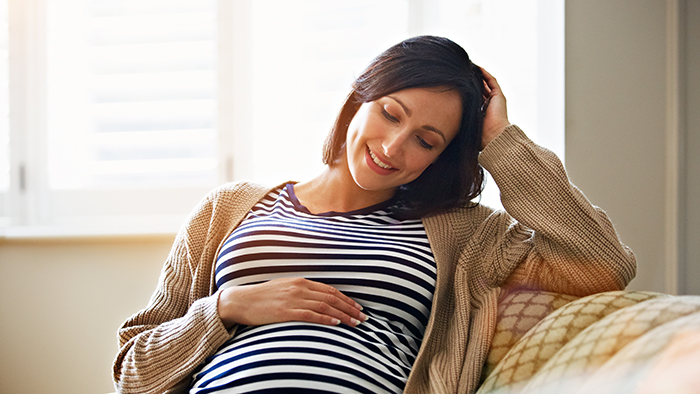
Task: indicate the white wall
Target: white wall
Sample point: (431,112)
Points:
(61,302)
(616,131)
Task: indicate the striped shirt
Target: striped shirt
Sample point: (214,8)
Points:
(383,263)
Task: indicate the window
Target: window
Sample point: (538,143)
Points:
(131,94)
(4,115)
(125,113)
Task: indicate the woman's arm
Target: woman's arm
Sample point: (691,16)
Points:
(161,345)
(560,242)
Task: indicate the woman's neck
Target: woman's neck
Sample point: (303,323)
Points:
(335,190)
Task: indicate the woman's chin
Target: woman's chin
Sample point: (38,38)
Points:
(374,184)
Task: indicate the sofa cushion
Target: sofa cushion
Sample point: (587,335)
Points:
(545,350)
(585,354)
(665,359)
(518,312)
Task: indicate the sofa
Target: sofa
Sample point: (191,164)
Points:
(615,342)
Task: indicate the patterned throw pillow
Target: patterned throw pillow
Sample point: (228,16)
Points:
(541,350)
(665,359)
(518,312)
(593,350)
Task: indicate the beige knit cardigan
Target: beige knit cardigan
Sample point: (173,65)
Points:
(549,237)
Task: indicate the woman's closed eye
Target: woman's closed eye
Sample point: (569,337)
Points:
(393,119)
(423,143)
(389,116)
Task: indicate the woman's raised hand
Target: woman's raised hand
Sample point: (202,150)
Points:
(496,117)
(287,299)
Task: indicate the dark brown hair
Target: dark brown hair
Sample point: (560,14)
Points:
(456,177)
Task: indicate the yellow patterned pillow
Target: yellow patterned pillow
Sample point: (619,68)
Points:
(665,359)
(549,336)
(518,312)
(574,365)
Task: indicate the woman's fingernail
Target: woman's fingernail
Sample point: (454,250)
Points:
(358,306)
(363,317)
(354,321)
(335,322)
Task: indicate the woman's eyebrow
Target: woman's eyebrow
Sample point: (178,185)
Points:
(405,108)
(426,127)
(434,130)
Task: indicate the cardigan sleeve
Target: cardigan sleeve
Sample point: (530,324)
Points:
(551,237)
(161,345)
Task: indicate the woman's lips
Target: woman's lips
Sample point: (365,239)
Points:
(376,164)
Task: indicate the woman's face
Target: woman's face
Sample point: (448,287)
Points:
(392,140)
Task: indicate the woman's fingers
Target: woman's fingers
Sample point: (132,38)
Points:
(326,313)
(490,81)
(334,293)
(288,299)
(496,114)
(329,301)
(309,316)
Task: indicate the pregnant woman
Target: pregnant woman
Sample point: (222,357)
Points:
(381,274)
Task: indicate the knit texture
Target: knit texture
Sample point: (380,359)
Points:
(549,238)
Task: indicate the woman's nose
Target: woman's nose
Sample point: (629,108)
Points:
(393,144)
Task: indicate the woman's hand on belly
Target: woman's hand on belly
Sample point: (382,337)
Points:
(287,299)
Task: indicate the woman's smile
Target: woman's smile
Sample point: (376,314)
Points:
(381,167)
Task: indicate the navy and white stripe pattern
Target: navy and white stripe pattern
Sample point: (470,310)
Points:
(383,263)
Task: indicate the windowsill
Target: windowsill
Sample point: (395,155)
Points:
(62,232)
(145,227)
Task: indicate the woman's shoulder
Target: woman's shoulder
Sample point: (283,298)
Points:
(473,212)
(224,206)
(245,190)
(462,221)
(230,198)
(239,187)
